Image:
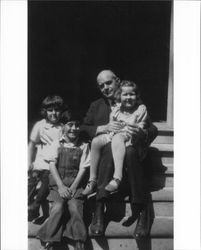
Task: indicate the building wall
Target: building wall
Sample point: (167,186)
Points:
(70,42)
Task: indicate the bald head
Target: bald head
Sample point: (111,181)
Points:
(104,75)
(108,83)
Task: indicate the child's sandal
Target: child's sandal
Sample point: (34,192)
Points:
(90,188)
(113,185)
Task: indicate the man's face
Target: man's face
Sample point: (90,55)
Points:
(108,85)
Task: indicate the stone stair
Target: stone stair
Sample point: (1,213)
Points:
(119,237)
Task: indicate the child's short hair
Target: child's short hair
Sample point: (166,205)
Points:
(72,117)
(132,84)
(52,101)
(76,117)
(126,83)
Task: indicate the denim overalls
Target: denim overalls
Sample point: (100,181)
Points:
(57,225)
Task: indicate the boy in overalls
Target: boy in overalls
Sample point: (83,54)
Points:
(67,167)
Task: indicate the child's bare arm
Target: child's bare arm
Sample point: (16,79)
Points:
(62,189)
(84,164)
(31,153)
(77,180)
(143,117)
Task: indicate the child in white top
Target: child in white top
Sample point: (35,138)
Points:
(130,112)
(39,153)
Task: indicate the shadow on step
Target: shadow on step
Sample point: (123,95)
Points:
(154,170)
(144,244)
(101,241)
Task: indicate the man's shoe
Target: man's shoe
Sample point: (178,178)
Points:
(136,210)
(79,245)
(97,224)
(142,229)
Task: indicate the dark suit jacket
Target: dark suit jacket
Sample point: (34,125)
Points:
(97,115)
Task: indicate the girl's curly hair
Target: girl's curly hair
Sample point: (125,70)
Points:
(55,101)
(126,83)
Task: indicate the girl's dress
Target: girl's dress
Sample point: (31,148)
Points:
(139,117)
(60,223)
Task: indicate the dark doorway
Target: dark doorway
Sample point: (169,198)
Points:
(69,42)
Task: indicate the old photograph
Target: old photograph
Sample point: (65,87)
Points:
(100,125)
(100,119)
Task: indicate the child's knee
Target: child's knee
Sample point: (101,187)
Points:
(57,207)
(96,143)
(118,138)
(73,207)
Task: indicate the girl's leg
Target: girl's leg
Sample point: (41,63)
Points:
(118,152)
(96,146)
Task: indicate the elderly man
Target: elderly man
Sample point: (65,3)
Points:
(95,122)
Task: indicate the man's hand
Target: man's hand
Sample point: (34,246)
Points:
(136,132)
(114,126)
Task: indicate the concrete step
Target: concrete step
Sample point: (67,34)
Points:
(161,158)
(165,135)
(162,227)
(164,139)
(164,147)
(163,127)
(131,244)
(161,209)
(114,244)
(161,154)
(160,181)
(169,169)
(165,194)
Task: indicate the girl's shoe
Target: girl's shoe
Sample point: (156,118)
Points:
(90,188)
(113,185)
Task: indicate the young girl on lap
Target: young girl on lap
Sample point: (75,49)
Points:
(130,112)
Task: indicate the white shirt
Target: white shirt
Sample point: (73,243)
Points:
(44,150)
